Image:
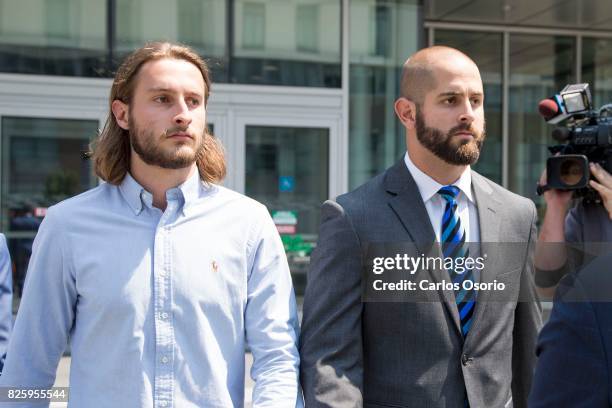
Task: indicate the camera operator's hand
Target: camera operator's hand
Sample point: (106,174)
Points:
(603,185)
(550,252)
(556,200)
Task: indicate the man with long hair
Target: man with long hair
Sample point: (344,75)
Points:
(159,277)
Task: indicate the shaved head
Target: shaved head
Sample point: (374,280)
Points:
(442,107)
(419,71)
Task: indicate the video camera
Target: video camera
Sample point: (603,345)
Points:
(586,137)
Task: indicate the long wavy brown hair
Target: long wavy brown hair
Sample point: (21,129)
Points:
(111,150)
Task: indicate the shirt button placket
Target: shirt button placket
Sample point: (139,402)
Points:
(164,340)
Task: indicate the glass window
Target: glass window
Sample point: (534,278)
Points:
(287,170)
(294,43)
(380,28)
(307,27)
(57,19)
(254,29)
(486,50)
(201,24)
(597,68)
(53,37)
(194,28)
(540,66)
(42,164)
(377,138)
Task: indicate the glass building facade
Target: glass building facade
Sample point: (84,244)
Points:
(302,95)
(520,67)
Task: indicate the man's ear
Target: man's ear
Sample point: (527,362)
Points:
(121,113)
(405,109)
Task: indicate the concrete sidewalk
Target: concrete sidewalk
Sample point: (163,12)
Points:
(63,376)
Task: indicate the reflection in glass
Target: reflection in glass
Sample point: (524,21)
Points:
(287,170)
(293,43)
(597,68)
(540,66)
(198,23)
(42,164)
(382,37)
(53,37)
(486,51)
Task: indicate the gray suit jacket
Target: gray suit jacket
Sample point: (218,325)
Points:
(412,354)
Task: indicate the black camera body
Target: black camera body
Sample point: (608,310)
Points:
(586,137)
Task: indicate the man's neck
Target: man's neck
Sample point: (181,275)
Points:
(158,180)
(430,164)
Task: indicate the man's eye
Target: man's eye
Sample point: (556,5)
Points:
(161,99)
(194,101)
(450,101)
(476,101)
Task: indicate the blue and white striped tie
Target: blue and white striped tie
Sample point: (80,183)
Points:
(454,246)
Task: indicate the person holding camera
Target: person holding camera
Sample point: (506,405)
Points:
(577,339)
(564,229)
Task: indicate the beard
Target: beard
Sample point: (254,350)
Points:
(148,147)
(459,153)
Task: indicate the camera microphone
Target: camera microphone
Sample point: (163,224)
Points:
(553,110)
(548,109)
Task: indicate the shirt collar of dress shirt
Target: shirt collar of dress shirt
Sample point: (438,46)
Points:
(137,197)
(428,187)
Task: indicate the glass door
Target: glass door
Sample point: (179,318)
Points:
(42,163)
(288,168)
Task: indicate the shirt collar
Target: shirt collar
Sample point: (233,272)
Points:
(137,197)
(191,189)
(428,187)
(132,193)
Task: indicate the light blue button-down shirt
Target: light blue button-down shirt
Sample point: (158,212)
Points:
(6,298)
(158,306)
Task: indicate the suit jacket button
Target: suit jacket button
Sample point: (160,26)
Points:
(465,360)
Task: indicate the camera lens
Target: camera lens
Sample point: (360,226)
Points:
(571,171)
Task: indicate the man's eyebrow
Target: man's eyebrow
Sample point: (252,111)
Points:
(456,93)
(168,90)
(158,89)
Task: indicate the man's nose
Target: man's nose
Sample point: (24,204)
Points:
(183,115)
(467,113)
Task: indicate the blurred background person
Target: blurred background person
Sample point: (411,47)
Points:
(6,299)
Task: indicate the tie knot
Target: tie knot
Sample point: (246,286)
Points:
(449,193)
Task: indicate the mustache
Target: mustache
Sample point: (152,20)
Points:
(464,127)
(177,129)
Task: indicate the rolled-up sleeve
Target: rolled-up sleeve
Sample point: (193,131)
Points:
(271,321)
(46,312)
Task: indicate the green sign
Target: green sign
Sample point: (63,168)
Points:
(284,217)
(296,243)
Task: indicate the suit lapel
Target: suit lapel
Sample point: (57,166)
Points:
(490,213)
(407,203)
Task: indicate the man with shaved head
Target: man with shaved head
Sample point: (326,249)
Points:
(378,333)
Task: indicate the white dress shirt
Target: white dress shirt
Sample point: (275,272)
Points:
(435,204)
